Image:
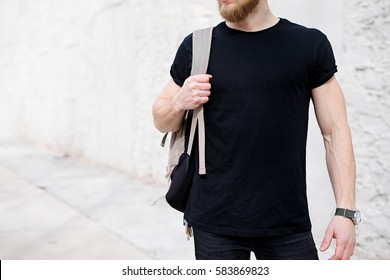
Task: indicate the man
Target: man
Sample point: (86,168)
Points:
(262,73)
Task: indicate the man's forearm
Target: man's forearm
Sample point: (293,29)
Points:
(340,161)
(166,117)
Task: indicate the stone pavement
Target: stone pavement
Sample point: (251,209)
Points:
(54,207)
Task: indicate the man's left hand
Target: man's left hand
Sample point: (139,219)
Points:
(343,230)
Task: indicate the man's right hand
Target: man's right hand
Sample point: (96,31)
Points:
(169,107)
(194,92)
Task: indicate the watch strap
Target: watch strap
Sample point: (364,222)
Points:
(345,213)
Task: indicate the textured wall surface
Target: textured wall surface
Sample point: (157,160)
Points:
(80,76)
(366,80)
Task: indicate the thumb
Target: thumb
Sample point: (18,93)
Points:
(326,241)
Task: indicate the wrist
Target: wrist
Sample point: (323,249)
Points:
(176,108)
(353,215)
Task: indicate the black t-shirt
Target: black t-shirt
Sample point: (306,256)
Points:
(256,128)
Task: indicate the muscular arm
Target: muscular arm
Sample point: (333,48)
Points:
(171,104)
(329,105)
(167,117)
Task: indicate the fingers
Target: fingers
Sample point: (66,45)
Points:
(201,78)
(339,252)
(200,94)
(344,250)
(195,91)
(343,230)
(199,82)
(204,86)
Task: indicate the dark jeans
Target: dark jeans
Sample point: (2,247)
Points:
(209,246)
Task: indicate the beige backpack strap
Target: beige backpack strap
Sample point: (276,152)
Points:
(201,46)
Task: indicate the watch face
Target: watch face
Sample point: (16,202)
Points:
(357,217)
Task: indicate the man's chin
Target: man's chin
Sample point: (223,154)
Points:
(235,12)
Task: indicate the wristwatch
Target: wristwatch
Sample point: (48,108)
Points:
(353,215)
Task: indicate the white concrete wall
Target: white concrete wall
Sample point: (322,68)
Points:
(80,76)
(366,80)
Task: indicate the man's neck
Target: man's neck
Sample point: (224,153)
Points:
(262,18)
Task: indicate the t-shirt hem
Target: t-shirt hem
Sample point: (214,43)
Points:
(249,232)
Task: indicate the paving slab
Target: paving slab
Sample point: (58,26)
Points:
(54,207)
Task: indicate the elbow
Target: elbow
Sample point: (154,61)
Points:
(161,124)
(327,137)
(164,121)
(159,127)
(326,132)
(158,124)
(157,118)
(337,132)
